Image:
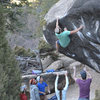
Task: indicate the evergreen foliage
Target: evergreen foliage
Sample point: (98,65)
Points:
(21,51)
(9,71)
(43,45)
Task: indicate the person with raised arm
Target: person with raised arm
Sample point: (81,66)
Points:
(63,36)
(83,83)
(61,91)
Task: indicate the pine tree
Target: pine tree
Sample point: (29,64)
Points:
(9,71)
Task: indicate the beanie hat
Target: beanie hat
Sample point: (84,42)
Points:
(83,74)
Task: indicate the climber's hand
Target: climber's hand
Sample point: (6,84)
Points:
(57,17)
(81,26)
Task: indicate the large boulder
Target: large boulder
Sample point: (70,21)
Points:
(56,65)
(47,61)
(85,45)
(66,60)
(62,63)
(49,78)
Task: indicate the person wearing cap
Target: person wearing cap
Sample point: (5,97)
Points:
(41,86)
(34,92)
(63,36)
(23,92)
(83,83)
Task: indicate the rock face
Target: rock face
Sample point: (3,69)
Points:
(26,37)
(56,65)
(97,95)
(85,45)
(46,62)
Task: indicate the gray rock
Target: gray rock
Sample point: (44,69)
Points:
(66,60)
(78,65)
(46,62)
(97,95)
(85,45)
(56,65)
(25,37)
(75,64)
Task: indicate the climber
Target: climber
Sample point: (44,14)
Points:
(63,36)
(41,86)
(84,83)
(23,92)
(34,92)
(61,90)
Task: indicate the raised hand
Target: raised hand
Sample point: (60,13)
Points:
(57,74)
(66,73)
(74,68)
(57,17)
(81,26)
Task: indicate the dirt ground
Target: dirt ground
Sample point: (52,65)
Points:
(73,90)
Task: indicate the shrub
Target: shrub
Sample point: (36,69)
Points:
(21,51)
(54,56)
(44,46)
(97,95)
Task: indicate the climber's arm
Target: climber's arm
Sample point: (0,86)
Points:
(75,31)
(74,75)
(67,81)
(89,75)
(56,82)
(57,23)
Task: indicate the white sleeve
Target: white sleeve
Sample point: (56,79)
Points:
(56,90)
(56,82)
(67,83)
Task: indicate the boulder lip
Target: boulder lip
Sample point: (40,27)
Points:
(60,12)
(70,9)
